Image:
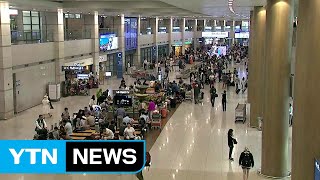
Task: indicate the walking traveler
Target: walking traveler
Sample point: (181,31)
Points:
(246,162)
(46,106)
(213,95)
(224,101)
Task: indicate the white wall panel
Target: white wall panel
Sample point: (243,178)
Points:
(77,47)
(176,36)
(31,85)
(163,37)
(146,39)
(32,53)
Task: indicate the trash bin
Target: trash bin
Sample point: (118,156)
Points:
(259,119)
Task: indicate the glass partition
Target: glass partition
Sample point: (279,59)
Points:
(75,34)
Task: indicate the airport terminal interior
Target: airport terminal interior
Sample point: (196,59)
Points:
(219,90)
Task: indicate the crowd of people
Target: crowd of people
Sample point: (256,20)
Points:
(212,70)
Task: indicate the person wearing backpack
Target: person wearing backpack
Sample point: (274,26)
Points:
(139,175)
(246,162)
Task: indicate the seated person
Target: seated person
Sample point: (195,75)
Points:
(55,133)
(65,115)
(127,120)
(112,127)
(67,128)
(90,120)
(86,110)
(122,128)
(108,134)
(129,132)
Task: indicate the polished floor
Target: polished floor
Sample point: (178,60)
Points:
(192,146)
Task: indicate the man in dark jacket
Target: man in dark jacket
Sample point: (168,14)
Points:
(213,95)
(224,101)
(196,93)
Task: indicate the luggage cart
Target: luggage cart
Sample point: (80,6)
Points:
(156,121)
(241,113)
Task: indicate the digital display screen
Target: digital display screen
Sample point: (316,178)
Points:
(124,100)
(108,42)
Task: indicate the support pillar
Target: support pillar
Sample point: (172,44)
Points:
(232,35)
(195,39)
(183,30)
(119,24)
(305,132)
(251,40)
(275,148)
(257,64)
(170,34)
(155,27)
(6,81)
(55,24)
(91,23)
(138,62)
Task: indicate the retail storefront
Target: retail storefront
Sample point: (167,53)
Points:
(163,51)
(129,57)
(177,46)
(146,54)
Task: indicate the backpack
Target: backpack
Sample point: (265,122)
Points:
(246,161)
(148,160)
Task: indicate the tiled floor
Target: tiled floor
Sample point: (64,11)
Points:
(192,146)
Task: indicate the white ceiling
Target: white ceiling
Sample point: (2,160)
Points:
(164,8)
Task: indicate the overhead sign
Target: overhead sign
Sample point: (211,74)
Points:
(240,35)
(76,68)
(83,76)
(215,34)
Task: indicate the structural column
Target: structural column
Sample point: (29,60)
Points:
(91,23)
(6,81)
(305,133)
(119,24)
(274,161)
(170,34)
(251,44)
(138,52)
(183,30)
(154,28)
(232,35)
(257,64)
(195,39)
(55,24)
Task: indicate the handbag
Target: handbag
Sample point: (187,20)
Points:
(235,141)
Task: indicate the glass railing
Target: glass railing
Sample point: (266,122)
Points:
(176,29)
(30,37)
(109,31)
(75,34)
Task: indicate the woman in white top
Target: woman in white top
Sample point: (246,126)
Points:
(46,105)
(92,101)
(129,132)
(108,134)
